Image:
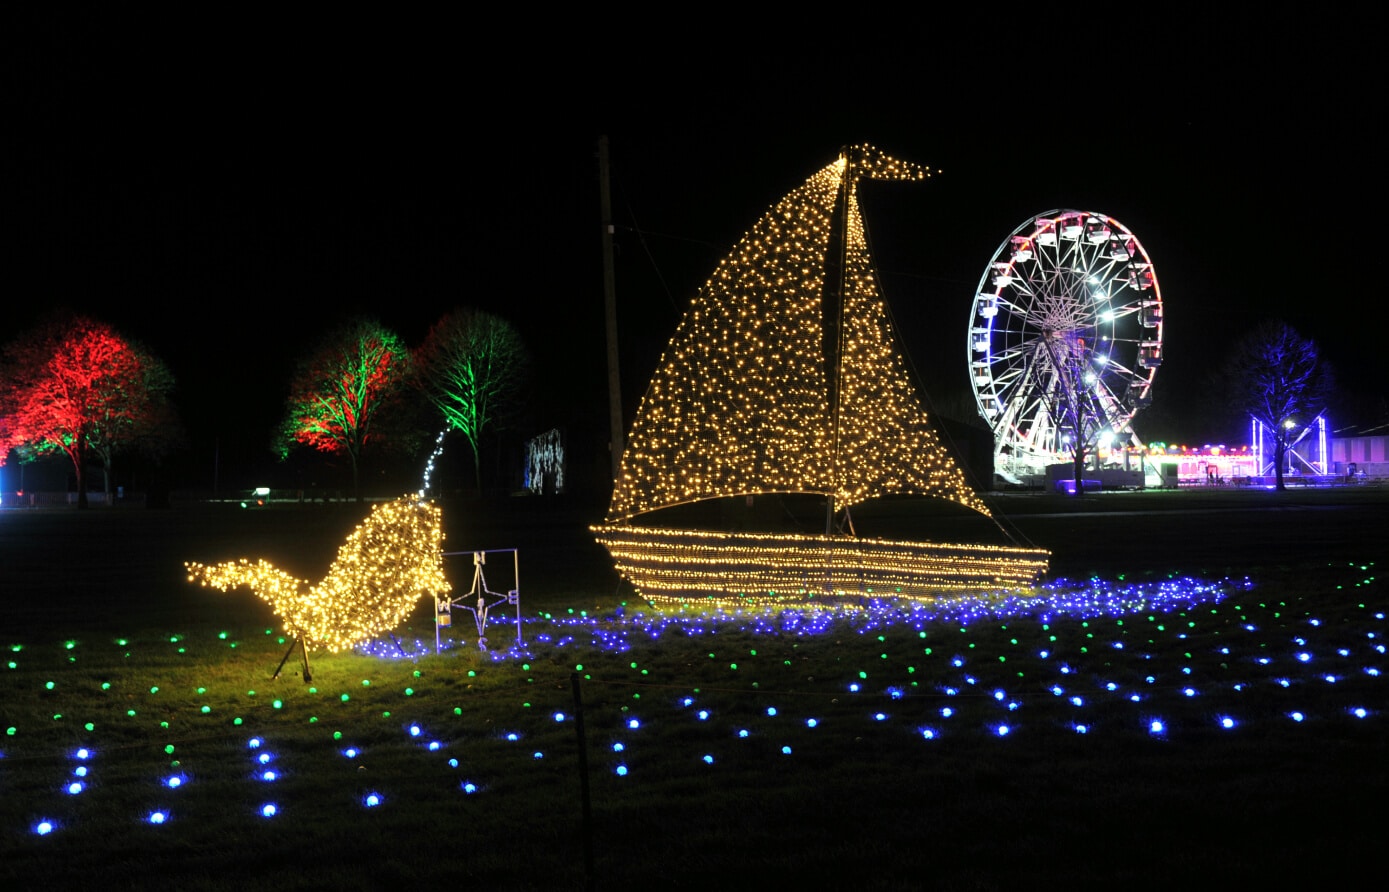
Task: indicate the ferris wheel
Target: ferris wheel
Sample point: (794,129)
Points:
(1065,337)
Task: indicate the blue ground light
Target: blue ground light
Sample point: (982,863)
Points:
(1279,667)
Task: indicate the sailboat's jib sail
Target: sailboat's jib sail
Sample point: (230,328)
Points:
(887,445)
(744,401)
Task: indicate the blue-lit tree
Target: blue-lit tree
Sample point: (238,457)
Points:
(1278,378)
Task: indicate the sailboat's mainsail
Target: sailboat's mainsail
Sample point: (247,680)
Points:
(785,374)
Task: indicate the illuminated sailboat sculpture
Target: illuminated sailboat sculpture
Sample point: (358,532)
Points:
(785,377)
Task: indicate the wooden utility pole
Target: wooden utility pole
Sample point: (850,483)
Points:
(610,306)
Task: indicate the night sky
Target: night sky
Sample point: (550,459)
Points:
(227,189)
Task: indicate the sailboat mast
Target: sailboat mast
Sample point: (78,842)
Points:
(836,283)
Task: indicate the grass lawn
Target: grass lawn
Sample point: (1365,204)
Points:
(1197,696)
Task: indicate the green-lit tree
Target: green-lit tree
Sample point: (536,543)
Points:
(1277,377)
(474,367)
(75,385)
(343,394)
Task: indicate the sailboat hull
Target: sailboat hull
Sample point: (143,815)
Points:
(671,566)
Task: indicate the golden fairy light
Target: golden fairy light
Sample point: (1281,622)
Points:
(757,569)
(389,562)
(785,376)
(744,401)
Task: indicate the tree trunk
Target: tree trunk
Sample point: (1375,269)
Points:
(1280,452)
(78,452)
(474,443)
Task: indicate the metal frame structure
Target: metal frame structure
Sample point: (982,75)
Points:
(484,598)
(1313,457)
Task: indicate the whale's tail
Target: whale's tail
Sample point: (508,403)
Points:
(269,583)
(392,560)
(283,592)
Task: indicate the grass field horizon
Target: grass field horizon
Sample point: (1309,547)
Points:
(889,747)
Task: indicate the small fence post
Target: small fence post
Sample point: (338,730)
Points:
(583,780)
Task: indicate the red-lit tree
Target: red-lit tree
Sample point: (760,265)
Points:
(146,423)
(344,390)
(75,385)
(474,367)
